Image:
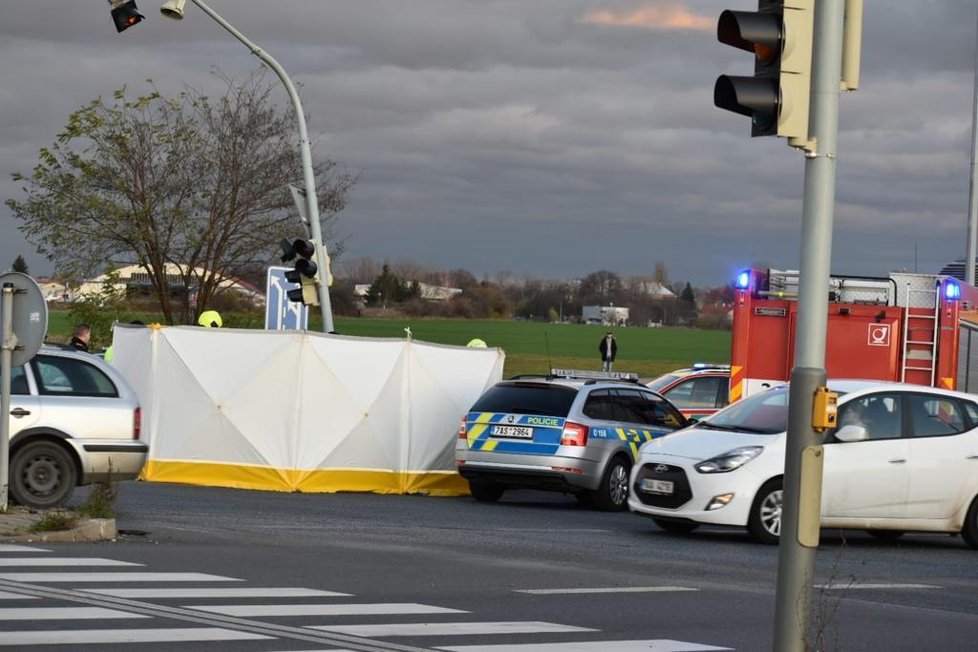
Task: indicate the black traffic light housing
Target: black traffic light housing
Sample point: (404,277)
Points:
(125,14)
(776,97)
(304,273)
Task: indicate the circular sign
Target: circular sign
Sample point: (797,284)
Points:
(30,316)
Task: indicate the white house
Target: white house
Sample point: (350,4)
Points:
(607,315)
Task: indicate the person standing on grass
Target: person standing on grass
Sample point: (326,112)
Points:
(608,349)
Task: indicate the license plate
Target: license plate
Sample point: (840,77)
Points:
(657,486)
(519,432)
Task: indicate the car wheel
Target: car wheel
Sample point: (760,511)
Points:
(485,492)
(970,529)
(764,523)
(886,535)
(675,527)
(612,494)
(42,475)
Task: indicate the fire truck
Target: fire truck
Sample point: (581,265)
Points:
(913,328)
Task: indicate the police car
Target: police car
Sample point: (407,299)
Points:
(571,431)
(697,391)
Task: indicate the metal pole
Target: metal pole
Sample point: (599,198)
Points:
(796,559)
(6,358)
(969,261)
(312,204)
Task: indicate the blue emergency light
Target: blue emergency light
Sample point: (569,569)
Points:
(952,290)
(743,280)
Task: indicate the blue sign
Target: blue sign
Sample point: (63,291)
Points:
(280,313)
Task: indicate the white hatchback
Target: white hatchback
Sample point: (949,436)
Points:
(903,458)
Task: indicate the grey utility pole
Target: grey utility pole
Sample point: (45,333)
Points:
(802,474)
(174,9)
(969,260)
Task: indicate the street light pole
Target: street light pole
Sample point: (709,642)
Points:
(175,10)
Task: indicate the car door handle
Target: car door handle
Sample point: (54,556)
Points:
(20,412)
(898,461)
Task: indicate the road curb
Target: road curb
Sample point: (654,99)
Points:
(92,529)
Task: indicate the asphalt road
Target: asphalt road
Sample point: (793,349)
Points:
(532,558)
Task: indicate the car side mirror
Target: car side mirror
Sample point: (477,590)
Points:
(852,432)
(690,420)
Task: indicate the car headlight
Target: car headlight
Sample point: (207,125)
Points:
(732,459)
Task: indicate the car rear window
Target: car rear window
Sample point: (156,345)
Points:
(527,398)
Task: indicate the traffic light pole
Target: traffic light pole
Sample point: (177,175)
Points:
(312,204)
(803,486)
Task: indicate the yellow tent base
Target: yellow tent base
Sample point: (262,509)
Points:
(211,474)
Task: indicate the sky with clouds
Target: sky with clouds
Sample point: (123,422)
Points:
(544,138)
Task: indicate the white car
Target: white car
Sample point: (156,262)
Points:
(903,458)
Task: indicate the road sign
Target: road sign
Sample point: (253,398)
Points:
(280,313)
(29,316)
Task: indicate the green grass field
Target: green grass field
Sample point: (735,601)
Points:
(530,347)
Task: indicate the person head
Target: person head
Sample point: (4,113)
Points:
(83,332)
(608,334)
(210,319)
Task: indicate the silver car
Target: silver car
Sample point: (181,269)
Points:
(74,420)
(570,431)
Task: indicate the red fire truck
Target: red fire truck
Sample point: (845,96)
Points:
(914,328)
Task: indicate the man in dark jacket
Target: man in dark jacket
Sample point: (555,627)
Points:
(82,334)
(608,349)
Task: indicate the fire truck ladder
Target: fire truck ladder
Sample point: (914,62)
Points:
(920,354)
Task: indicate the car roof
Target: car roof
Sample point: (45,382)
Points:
(578,378)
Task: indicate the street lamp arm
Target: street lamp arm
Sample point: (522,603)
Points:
(312,203)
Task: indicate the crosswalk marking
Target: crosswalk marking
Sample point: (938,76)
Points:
(63,561)
(96,636)
(114,577)
(64,613)
(372,609)
(219,593)
(657,645)
(448,629)
(618,589)
(13,547)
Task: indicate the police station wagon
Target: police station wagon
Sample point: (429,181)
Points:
(570,431)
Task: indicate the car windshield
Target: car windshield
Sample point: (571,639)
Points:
(764,413)
(527,398)
(662,381)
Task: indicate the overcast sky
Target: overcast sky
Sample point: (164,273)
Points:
(548,138)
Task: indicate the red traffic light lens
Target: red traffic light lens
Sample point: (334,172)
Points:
(304,248)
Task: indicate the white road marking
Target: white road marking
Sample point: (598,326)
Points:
(63,613)
(219,593)
(382,608)
(868,585)
(63,561)
(618,589)
(96,636)
(114,577)
(6,595)
(657,645)
(450,629)
(12,547)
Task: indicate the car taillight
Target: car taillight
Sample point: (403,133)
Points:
(137,422)
(574,434)
(461,429)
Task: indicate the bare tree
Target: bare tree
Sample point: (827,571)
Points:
(193,190)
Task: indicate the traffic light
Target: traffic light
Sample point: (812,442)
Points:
(304,273)
(124,14)
(776,98)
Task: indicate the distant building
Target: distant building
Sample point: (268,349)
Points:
(606,315)
(656,290)
(955,268)
(133,279)
(428,292)
(52,289)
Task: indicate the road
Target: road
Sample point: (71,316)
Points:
(223,569)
